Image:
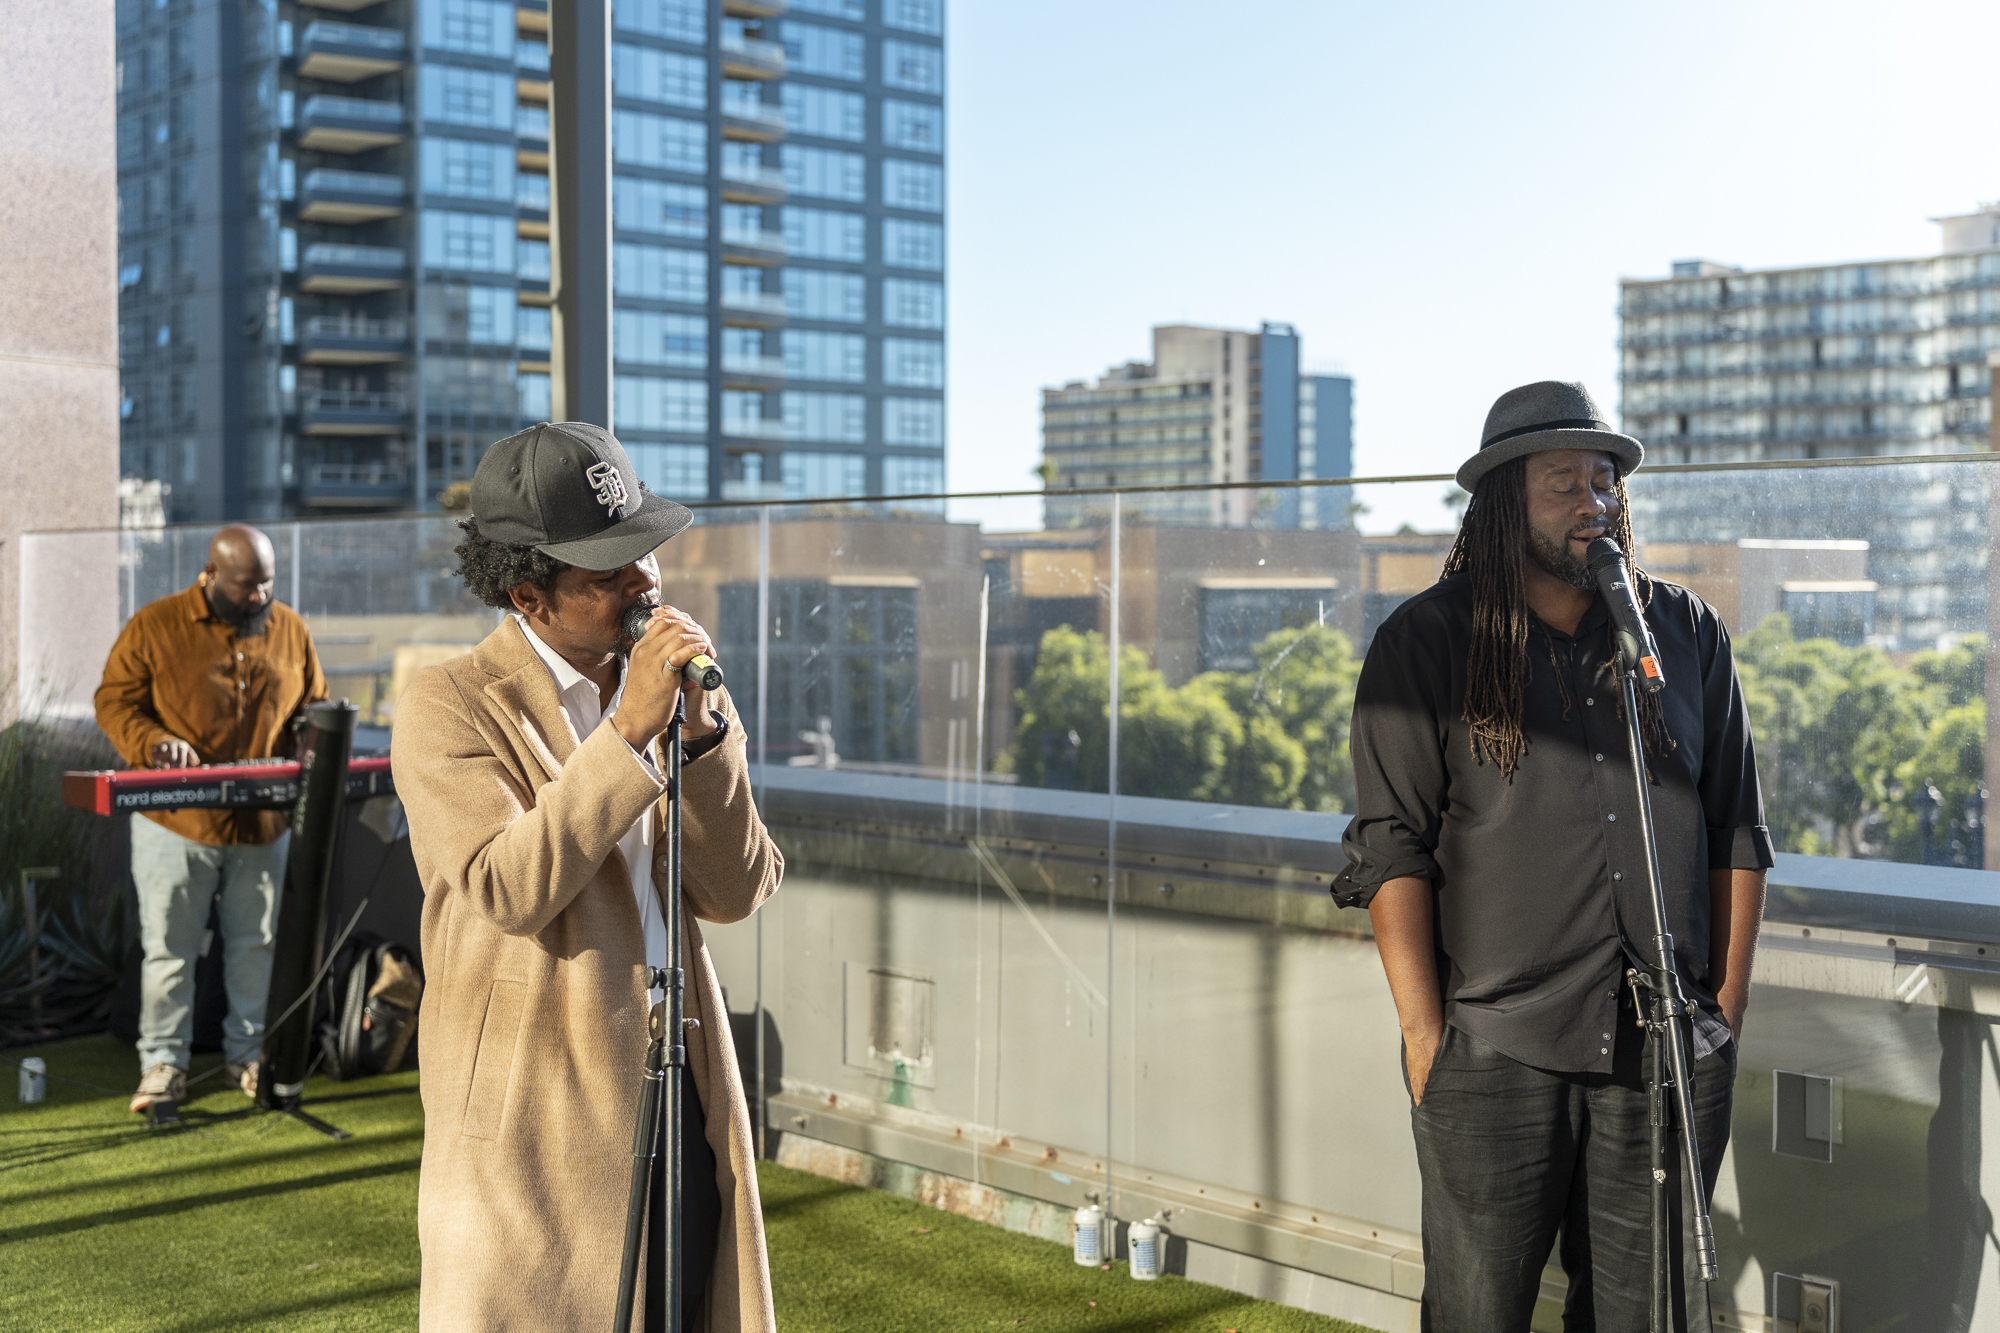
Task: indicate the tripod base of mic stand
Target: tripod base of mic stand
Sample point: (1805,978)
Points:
(291,1106)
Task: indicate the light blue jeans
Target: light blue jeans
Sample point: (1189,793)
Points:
(177,878)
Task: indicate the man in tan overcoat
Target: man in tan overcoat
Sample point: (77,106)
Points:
(534,785)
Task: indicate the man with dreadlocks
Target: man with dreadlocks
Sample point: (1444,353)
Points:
(1496,846)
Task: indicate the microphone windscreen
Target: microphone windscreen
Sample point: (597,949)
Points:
(636,619)
(1602,552)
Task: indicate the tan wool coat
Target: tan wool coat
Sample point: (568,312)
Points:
(534,1014)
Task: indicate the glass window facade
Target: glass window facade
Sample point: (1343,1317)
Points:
(468,242)
(918,68)
(668,143)
(825,173)
(659,76)
(680,20)
(659,207)
(455,96)
(857,10)
(646,403)
(825,418)
(925,16)
(678,470)
(913,185)
(465,313)
(468,169)
(913,363)
(474,27)
(910,244)
(652,338)
(827,52)
(904,475)
(825,113)
(812,293)
(913,421)
(817,233)
(809,476)
(913,126)
(659,273)
(841,357)
(910,304)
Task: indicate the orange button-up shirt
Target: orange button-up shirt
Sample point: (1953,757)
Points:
(179,671)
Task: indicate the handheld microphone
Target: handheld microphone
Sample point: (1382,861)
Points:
(699,670)
(1636,650)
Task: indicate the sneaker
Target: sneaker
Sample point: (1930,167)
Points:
(243,1075)
(161,1083)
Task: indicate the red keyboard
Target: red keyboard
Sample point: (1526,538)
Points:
(259,784)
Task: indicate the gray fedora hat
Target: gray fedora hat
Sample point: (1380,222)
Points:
(1549,415)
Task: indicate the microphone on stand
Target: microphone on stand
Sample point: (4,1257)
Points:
(1636,650)
(699,670)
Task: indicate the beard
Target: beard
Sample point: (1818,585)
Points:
(1554,556)
(242,619)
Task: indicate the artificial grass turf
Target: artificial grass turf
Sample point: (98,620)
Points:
(845,1259)
(247,1221)
(238,1220)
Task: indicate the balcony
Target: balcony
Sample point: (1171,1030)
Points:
(333,340)
(348,197)
(953,901)
(354,486)
(753,9)
(738,366)
(744,184)
(752,122)
(744,246)
(347,412)
(758,308)
(346,52)
(348,269)
(753,428)
(349,124)
(749,58)
(531,15)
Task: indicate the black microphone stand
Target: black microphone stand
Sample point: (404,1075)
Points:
(1670,1085)
(660,1109)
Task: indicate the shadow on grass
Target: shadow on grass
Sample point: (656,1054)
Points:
(206,1167)
(239,1318)
(169,1207)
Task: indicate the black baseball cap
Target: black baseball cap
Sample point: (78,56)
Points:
(567,489)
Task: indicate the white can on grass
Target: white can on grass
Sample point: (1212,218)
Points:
(1144,1242)
(34,1079)
(1089,1244)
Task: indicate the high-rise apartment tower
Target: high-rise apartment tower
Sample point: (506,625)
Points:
(334,279)
(1213,405)
(1724,365)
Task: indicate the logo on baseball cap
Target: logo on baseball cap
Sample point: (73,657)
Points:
(567,489)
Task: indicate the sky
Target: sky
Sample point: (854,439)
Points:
(1440,197)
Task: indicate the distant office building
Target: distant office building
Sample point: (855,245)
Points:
(1213,405)
(1831,361)
(334,282)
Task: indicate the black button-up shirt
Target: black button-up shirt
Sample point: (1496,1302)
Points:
(1540,881)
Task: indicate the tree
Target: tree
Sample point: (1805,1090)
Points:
(1272,737)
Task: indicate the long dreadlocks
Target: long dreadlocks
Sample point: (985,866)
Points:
(1493,545)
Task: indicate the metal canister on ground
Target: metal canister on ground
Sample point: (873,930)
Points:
(34,1079)
(1088,1247)
(1144,1240)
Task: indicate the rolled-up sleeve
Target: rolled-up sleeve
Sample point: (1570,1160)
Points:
(1400,776)
(1732,802)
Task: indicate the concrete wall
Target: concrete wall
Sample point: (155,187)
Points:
(58,291)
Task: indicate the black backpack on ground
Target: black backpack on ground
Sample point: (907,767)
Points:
(368,1007)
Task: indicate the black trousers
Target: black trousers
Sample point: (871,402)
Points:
(1512,1155)
(701,1213)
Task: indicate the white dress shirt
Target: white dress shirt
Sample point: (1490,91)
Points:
(587,712)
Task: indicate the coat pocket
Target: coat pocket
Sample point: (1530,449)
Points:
(493,1066)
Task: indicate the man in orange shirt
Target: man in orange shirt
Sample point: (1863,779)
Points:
(214,674)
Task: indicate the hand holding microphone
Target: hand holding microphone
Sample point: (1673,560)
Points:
(668,652)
